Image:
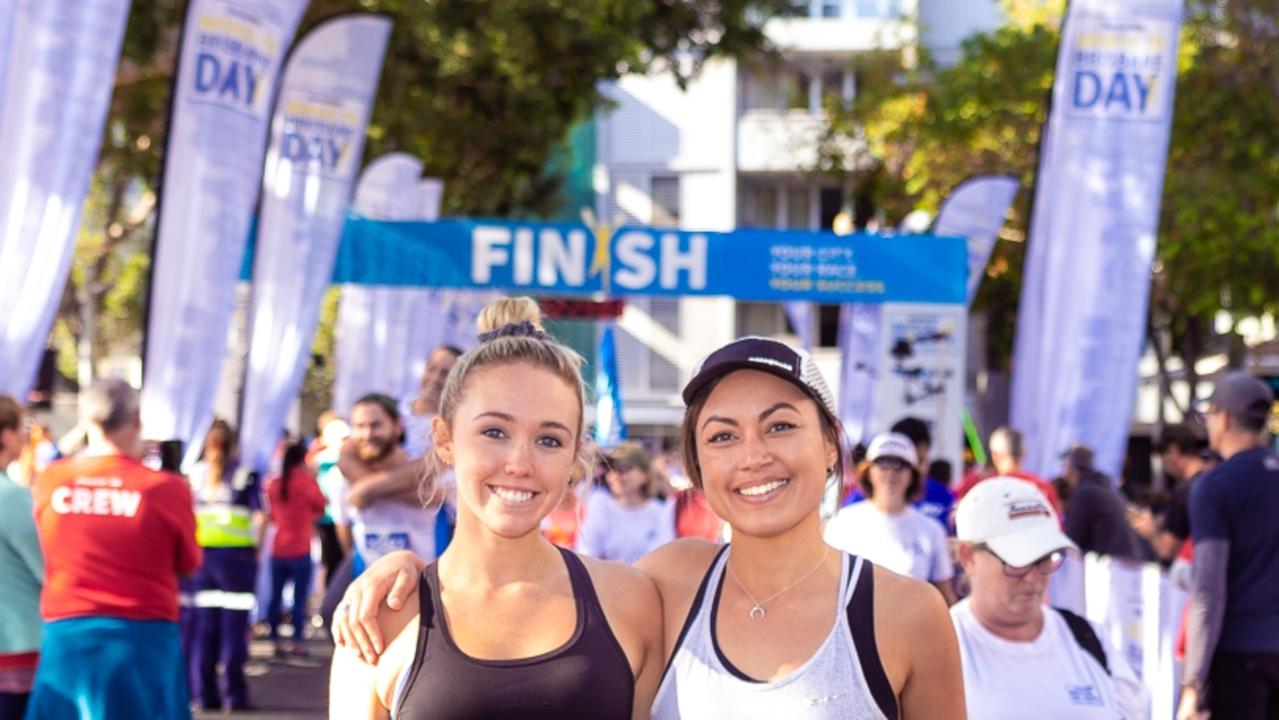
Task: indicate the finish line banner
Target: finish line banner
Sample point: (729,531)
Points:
(563,259)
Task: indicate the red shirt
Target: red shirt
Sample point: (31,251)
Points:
(294,517)
(1045,487)
(116,536)
(695,518)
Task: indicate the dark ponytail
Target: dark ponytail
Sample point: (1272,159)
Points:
(294,457)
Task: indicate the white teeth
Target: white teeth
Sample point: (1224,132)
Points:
(764,489)
(512,496)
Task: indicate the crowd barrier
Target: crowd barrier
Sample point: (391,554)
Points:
(1139,608)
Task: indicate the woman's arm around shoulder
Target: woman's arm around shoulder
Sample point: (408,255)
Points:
(918,648)
(677,568)
(358,689)
(634,612)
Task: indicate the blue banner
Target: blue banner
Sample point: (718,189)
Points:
(610,429)
(746,264)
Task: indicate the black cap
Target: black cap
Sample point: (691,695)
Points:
(1242,395)
(766,355)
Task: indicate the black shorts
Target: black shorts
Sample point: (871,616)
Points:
(1242,686)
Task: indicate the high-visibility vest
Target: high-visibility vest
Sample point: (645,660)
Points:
(223,525)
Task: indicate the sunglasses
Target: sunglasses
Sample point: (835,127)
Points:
(890,463)
(620,467)
(1046,565)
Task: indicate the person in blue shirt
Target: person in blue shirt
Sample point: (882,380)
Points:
(1232,641)
(22,567)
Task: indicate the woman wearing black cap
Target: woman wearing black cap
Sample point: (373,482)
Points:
(778,624)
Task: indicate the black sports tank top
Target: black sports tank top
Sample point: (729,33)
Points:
(587,676)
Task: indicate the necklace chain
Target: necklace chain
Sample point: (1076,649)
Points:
(757,607)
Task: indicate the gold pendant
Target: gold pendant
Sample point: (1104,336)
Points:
(757,609)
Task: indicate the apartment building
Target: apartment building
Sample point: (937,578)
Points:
(737,149)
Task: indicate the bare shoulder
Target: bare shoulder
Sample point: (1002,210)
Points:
(678,566)
(903,604)
(358,689)
(399,630)
(909,615)
(624,589)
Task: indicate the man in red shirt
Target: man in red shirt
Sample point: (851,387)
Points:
(116,537)
(1006,450)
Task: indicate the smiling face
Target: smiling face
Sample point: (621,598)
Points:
(374,432)
(762,452)
(512,443)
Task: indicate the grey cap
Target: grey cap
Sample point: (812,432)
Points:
(1242,395)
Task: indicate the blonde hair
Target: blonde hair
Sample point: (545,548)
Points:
(515,345)
(509,311)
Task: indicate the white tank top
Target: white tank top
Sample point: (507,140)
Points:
(843,680)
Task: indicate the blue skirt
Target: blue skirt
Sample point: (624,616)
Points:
(101,668)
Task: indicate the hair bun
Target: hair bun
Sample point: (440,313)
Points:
(524,328)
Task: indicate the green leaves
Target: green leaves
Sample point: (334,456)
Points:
(1218,243)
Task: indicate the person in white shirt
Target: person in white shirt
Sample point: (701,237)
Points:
(627,522)
(1021,658)
(885,529)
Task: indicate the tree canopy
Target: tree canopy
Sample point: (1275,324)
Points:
(925,128)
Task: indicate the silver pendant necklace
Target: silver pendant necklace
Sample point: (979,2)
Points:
(757,606)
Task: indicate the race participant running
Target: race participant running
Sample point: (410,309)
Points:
(1021,658)
(777,624)
(507,625)
(885,528)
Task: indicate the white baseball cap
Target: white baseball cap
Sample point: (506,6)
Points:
(1012,518)
(892,444)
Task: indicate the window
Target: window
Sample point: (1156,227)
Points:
(832,8)
(760,318)
(665,197)
(797,208)
(759,207)
(797,97)
(796,8)
(764,88)
(828,326)
(833,89)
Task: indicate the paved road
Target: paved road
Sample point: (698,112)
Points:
(287,689)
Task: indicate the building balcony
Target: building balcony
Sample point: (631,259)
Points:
(781,141)
(839,36)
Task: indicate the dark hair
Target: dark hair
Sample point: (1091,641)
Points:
(10,413)
(294,457)
(912,489)
(452,349)
(1253,421)
(831,428)
(225,455)
(1187,438)
(387,403)
(915,429)
(941,471)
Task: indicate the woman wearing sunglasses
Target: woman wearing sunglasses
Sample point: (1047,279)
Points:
(1017,653)
(885,529)
(625,521)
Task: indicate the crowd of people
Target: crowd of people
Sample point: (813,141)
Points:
(476,555)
